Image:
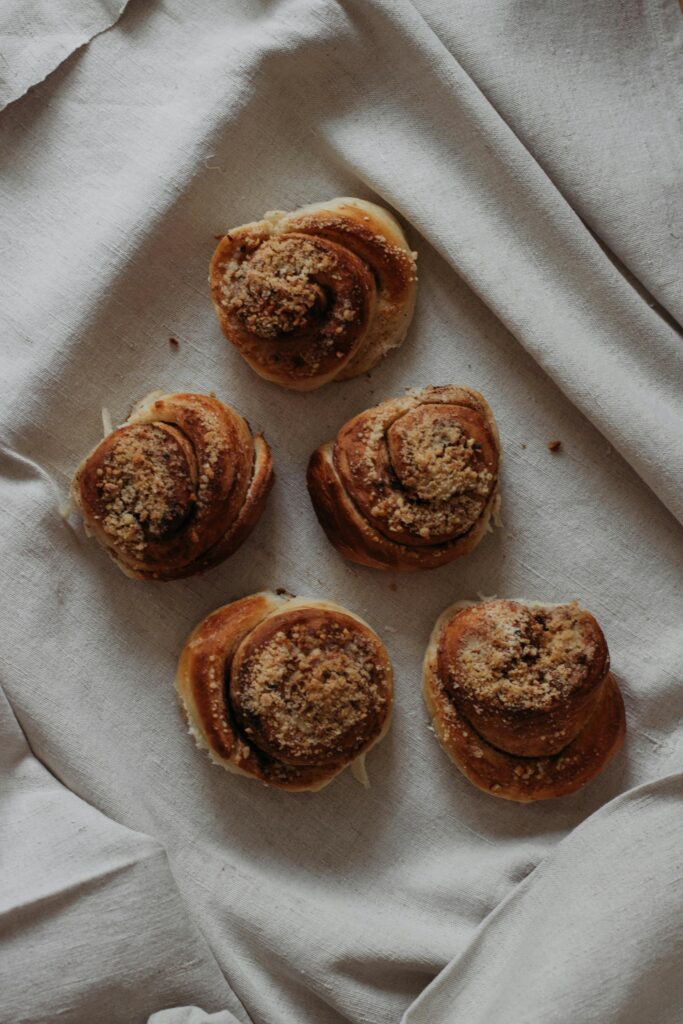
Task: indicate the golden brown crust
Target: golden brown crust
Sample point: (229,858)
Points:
(411,483)
(316,295)
(177,488)
(521,697)
(287,691)
(526,677)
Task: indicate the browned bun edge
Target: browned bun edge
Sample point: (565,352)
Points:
(229,494)
(357,540)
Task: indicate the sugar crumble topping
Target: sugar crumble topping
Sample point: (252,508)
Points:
(213,446)
(435,482)
(311,690)
(524,658)
(434,457)
(145,486)
(274,291)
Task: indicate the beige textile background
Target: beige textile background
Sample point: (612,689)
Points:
(534,154)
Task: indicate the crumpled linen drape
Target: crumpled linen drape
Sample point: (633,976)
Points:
(534,154)
(37,35)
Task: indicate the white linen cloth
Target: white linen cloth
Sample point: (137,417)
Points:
(37,35)
(532,153)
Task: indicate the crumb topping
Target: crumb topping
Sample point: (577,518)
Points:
(145,486)
(276,290)
(450,518)
(524,658)
(425,477)
(212,445)
(435,457)
(312,691)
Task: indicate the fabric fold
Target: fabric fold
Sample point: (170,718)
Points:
(36,37)
(191,1015)
(594,933)
(572,88)
(93,903)
(499,221)
(186,119)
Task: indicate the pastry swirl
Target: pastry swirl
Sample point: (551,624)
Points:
(411,483)
(177,488)
(316,295)
(521,697)
(285,690)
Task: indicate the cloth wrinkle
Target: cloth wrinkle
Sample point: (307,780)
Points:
(531,155)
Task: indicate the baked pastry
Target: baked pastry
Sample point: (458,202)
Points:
(286,690)
(411,483)
(316,295)
(521,697)
(177,488)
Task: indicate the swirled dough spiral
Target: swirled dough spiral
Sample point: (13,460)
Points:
(285,690)
(521,696)
(177,488)
(411,483)
(316,295)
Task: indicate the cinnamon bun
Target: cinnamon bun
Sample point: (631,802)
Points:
(316,295)
(177,488)
(411,483)
(521,696)
(285,690)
